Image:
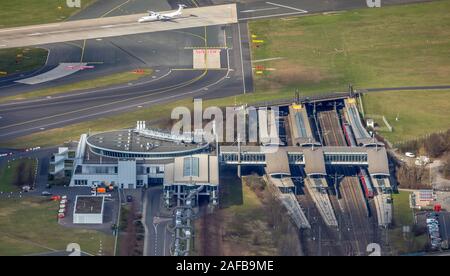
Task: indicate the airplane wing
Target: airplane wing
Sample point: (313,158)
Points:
(166,18)
(151,13)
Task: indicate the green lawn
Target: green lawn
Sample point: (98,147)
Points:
(29,226)
(19,60)
(392,46)
(419,112)
(10,171)
(28,12)
(114,79)
(403,216)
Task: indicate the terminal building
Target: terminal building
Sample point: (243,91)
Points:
(139,157)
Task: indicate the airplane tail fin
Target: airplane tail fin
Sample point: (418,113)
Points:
(180,8)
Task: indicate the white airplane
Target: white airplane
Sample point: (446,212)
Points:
(154,16)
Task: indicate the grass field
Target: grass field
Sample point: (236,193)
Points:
(403,216)
(18,238)
(419,112)
(392,46)
(20,60)
(10,172)
(105,81)
(28,12)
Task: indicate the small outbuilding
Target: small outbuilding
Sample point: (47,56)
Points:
(88,210)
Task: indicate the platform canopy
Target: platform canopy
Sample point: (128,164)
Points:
(378,161)
(277,163)
(314,161)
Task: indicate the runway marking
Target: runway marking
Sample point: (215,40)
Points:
(199,69)
(82,51)
(267,59)
(106,104)
(242,58)
(195,3)
(126,107)
(297,11)
(257,10)
(287,7)
(202,48)
(115,8)
(272,15)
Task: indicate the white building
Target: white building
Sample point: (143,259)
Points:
(127,159)
(88,210)
(197,174)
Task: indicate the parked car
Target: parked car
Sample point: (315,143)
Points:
(45,193)
(129,198)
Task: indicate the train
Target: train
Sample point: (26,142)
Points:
(367,184)
(351,141)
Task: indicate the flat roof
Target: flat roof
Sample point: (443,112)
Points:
(195,169)
(89,204)
(130,141)
(314,161)
(378,161)
(277,163)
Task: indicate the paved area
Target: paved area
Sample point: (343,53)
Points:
(60,71)
(158,239)
(113,26)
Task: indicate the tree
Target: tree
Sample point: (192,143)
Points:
(446,167)
(435,145)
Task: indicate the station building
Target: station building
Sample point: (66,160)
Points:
(139,157)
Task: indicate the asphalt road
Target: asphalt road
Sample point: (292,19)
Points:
(169,53)
(164,51)
(158,239)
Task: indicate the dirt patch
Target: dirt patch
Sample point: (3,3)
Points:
(288,73)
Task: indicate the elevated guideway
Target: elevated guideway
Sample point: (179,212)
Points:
(375,159)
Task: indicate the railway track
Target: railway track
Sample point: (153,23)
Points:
(355,211)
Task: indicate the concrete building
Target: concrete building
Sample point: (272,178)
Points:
(197,174)
(141,157)
(88,210)
(128,159)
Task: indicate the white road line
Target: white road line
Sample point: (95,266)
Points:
(267,59)
(83,93)
(119,108)
(287,7)
(257,10)
(242,58)
(272,15)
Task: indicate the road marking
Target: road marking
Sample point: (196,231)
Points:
(171,97)
(287,7)
(242,58)
(78,94)
(267,59)
(163,90)
(82,51)
(272,15)
(115,8)
(257,10)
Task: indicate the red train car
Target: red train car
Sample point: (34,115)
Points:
(367,185)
